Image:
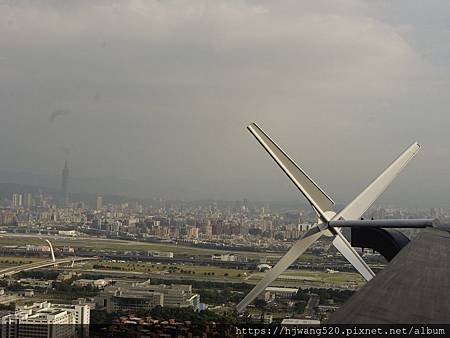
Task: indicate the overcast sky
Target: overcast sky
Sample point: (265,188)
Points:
(158,94)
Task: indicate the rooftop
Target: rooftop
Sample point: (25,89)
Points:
(413,288)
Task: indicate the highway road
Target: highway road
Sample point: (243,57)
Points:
(42,264)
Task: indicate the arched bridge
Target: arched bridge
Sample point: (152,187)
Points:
(42,264)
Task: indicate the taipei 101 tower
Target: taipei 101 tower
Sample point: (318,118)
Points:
(65,184)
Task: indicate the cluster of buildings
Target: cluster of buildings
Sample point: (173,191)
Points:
(209,225)
(161,220)
(32,249)
(46,319)
(193,224)
(140,297)
(238,224)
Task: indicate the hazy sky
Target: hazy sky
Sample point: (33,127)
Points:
(158,94)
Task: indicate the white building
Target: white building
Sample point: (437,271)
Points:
(304,227)
(37,248)
(46,320)
(16,200)
(224,257)
(97,283)
(71,233)
(161,254)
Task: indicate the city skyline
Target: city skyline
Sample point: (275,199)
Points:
(94,187)
(217,168)
(65,177)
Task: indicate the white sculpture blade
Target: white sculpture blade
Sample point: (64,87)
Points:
(323,206)
(346,249)
(290,257)
(362,202)
(313,193)
(356,208)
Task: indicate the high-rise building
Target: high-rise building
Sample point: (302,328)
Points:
(207,230)
(65,184)
(99,203)
(193,232)
(7,217)
(16,200)
(28,201)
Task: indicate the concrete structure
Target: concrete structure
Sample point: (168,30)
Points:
(46,320)
(51,250)
(412,289)
(161,254)
(37,248)
(323,205)
(66,275)
(97,283)
(16,200)
(36,283)
(282,292)
(261,318)
(85,301)
(65,184)
(141,297)
(71,233)
(132,299)
(99,203)
(25,293)
(28,201)
(224,257)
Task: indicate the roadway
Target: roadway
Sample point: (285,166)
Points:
(42,264)
(283,281)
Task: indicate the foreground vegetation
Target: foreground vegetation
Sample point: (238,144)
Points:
(165,314)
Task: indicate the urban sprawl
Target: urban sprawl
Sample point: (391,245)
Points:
(168,265)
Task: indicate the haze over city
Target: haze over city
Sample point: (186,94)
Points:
(151,99)
(148,184)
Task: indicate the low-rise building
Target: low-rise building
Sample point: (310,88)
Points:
(97,283)
(36,283)
(71,233)
(161,254)
(132,296)
(224,257)
(66,275)
(117,299)
(37,248)
(261,318)
(280,292)
(25,293)
(85,301)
